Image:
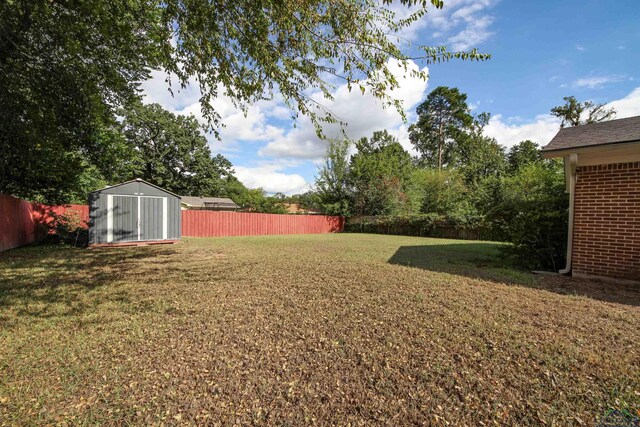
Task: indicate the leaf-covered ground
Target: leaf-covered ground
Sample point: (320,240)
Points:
(346,329)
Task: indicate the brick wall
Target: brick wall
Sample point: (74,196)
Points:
(606,239)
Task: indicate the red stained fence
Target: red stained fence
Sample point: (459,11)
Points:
(44,214)
(23,222)
(198,223)
(17,227)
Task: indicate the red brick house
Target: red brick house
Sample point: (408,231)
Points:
(602,168)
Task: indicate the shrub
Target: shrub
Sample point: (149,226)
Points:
(427,225)
(533,215)
(67,228)
(441,192)
(414,225)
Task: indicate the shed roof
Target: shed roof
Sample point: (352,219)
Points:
(202,201)
(596,134)
(135,180)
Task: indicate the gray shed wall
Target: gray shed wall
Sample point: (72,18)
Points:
(175,220)
(125,214)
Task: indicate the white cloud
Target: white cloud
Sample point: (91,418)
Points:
(628,106)
(251,125)
(580,48)
(597,82)
(462,24)
(401,12)
(476,32)
(363,114)
(269,177)
(156,90)
(544,127)
(540,130)
(402,135)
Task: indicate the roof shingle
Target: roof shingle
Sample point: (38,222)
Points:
(611,132)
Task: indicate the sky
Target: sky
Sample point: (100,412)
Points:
(541,52)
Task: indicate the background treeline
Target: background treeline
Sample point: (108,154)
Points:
(461,184)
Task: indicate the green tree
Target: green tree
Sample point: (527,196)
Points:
(442,192)
(309,201)
(256,200)
(441,119)
(476,155)
(523,153)
(65,67)
(234,189)
(484,157)
(380,174)
(170,151)
(575,113)
(333,187)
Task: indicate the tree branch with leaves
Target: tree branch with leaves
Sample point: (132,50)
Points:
(66,67)
(575,113)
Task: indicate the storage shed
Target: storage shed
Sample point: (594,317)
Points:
(131,212)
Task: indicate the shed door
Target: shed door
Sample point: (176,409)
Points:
(153,218)
(124,219)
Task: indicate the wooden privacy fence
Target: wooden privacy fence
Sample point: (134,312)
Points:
(200,223)
(16,223)
(23,222)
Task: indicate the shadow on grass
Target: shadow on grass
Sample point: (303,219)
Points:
(485,261)
(53,281)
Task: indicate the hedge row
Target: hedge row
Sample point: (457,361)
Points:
(425,225)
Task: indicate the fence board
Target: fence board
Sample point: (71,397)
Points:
(201,223)
(45,214)
(17,226)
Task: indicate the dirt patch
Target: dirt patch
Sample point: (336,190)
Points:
(628,294)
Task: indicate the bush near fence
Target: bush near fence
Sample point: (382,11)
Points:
(424,225)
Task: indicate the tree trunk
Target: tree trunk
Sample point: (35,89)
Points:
(440,146)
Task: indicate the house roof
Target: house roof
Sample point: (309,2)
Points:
(136,180)
(203,201)
(596,134)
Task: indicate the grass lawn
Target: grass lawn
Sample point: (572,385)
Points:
(301,330)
